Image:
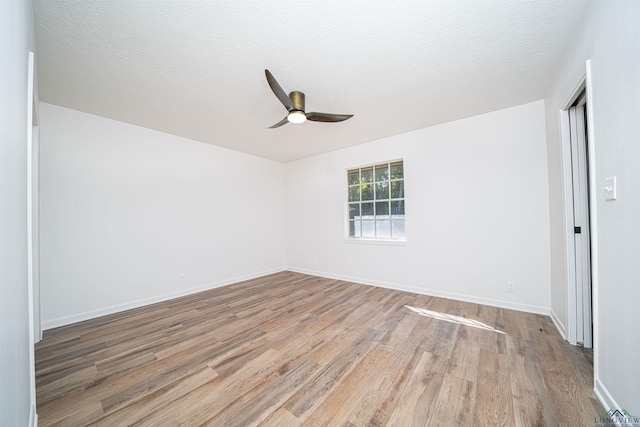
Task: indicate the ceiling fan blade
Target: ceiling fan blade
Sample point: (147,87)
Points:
(277,90)
(280,123)
(325,117)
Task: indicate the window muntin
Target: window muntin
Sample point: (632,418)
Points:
(375,198)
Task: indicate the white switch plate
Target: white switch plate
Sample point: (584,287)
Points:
(610,188)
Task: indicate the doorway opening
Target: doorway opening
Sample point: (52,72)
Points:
(577,141)
(582,242)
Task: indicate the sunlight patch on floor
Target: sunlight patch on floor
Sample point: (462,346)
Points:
(454,319)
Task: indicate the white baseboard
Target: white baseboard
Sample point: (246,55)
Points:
(67,320)
(559,325)
(33,416)
(609,403)
(431,292)
(604,396)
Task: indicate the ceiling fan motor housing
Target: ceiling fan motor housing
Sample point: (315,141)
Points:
(298,100)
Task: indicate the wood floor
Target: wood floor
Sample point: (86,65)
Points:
(290,350)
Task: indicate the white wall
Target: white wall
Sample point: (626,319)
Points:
(16,40)
(477,211)
(125,211)
(610,37)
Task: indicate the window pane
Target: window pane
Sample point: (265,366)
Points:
(397,170)
(397,189)
(382,172)
(354,228)
(367,174)
(383,228)
(382,190)
(397,207)
(397,228)
(354,177)
(354,210)
(367,192)
(367,209)
(376,201)
(382,208)
(368,228)
(354,194)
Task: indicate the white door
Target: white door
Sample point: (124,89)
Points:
(577,122)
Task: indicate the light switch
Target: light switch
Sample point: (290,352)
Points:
(610,188)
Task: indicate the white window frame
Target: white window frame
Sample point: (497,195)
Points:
(392,241)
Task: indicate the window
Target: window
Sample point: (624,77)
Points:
(376,201)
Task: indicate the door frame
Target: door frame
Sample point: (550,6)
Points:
(583,83)
(33,208)
(35,331)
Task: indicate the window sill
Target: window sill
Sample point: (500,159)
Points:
(384,242)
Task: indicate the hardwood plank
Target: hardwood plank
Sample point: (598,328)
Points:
(377,405)
(424,414)
(494,401)
(415,401)
(80,416)
(321,384)
(197,406)
(339,404)
(281,417)
(153,402)
(455,405)
(253,408)
(527,406)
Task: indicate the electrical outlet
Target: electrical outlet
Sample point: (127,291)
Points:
(183,278)
(511,286)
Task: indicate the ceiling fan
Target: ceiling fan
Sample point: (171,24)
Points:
(294,103)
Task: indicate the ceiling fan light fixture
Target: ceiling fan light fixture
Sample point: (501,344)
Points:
(296,117)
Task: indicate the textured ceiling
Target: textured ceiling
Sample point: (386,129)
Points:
(196,68)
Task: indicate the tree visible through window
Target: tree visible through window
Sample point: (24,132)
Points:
(376,201)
